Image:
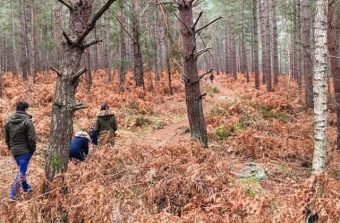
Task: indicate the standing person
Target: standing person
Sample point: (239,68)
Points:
(106,125)
(20,138)
(80,146)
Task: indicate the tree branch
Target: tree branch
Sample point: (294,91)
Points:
(122,26)
(68,40)
(190,31)
(79,106)
(94,20)
(203,75)
(92,42)
(67,4)
(78,74)
(196,3)
(198,18)
(199,53)
(205,26)
(203,95)
(57,71)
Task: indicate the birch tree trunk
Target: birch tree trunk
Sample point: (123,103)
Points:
(320,87)
(307,61)
(335,61)
(192,86)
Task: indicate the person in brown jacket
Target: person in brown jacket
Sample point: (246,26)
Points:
(106,125)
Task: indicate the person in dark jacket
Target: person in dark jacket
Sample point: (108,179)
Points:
(20,138)
(106,125)
(80,146)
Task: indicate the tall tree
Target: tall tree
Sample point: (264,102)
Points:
(64,104)
(275,45)
(256,46)
(307,52)
(335,61)
(267,47)
(320,87)
(191,79)
(123,57)
(25,62)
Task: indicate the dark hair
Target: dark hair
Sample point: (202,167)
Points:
(22,106)
(104,106)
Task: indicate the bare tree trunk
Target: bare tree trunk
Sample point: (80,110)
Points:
(263,42)
(244,59)
(308,71)
(233,48)
(267,63)
(192,87)
(275,46)
(123,57)
(64,104)
(335,62)
(25,63)
(107,58)
(156,39)
(320,87)
(138,61)
(256,46)
(58,18)
(14,44)
(227,52)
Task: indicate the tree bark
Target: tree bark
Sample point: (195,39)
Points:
(64,105)
(106,48)
(192,86)
(308,71)
(25,63)
(320,87)
(123,57)
(15,67)
(275,46)
(335,61)
(267,38)
(256,46)
(138,61)
(263,41)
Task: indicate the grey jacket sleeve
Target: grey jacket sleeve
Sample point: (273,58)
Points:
(7,138)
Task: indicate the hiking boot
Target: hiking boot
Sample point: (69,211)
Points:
(13,199)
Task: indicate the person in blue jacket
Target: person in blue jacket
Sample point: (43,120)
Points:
(80,146)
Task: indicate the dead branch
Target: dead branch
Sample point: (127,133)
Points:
(67,4)
(196,3)
(68,40)
(92,42)
(203,95)
(189,30)
(198,18)
(78,74)
(122,26)
(79,106)
(94,20)
(199,53)
(205,26)
(203,75)
(57,71)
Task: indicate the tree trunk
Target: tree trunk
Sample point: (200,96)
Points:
(233,48)
(308,71)
(267,63)
(227,51)
(15,67)
(138,61)
(64,105)
(192,86)
(275,46)
(244,59)
(335,62)
(25,63)
(320,87)
(256,46)
(263,42)
(107,58)
(123,57)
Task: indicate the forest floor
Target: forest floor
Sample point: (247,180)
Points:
(155,173)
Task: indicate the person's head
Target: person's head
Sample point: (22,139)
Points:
(104,107)
(22,106)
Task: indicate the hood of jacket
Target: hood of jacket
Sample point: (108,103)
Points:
(19,117)
(103,113)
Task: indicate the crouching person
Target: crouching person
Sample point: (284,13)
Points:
(20,138)
(80,146)
(106,126)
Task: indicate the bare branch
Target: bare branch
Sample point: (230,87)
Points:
(198,18)
(67,4)
(199,53)
(78,74)
(203,95)
(122,26)
(57,71)
(92,42)
(79,106)
(205,26)
(68,40)
(190,31)
(96,16)
(203,75)
(196,3)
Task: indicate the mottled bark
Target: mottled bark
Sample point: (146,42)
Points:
(263,42)
(335,61)
(267,62)
(192,86)
(307,61)
(15,67)
(320,87)
(123,57)
(256,46)
(107,56)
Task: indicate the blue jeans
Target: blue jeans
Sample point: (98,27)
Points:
(20,179)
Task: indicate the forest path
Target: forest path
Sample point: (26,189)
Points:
(179,130)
